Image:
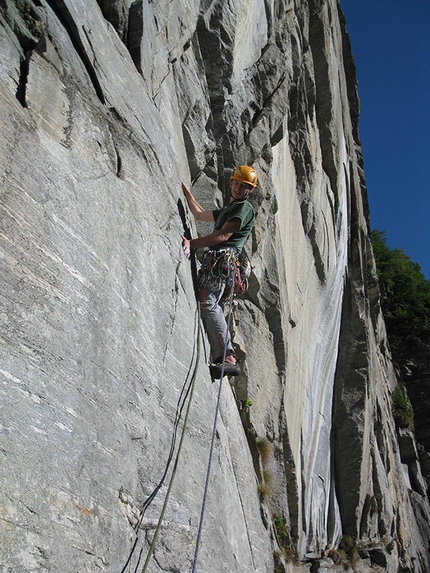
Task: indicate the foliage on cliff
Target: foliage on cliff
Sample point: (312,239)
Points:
(405,293)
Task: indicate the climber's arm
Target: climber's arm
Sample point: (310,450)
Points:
(213,239)
(196,209)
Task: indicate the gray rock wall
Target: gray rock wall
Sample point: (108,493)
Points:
(105,107)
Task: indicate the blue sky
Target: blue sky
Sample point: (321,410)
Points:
(391,47)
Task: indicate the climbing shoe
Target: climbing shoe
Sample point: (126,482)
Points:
(229,369)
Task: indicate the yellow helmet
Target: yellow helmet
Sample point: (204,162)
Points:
(245,174)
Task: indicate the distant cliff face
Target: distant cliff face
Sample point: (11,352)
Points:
(105,107)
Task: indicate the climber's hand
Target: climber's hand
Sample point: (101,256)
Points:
(186,247)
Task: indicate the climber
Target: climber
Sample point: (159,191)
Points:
(233,224)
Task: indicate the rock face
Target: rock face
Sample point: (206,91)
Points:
(105,107)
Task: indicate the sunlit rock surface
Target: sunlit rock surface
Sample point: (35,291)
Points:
(105,108)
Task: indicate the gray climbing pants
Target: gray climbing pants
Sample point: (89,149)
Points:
(211,289)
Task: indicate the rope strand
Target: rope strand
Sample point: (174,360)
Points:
(172,477)
(186,391)
(180,407)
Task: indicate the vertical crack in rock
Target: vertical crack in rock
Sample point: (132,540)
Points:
(274,319)
(320,43)
(118,162)
(22,85)
(29,30)
(351,77)
(309,225)
(349,402)
(290,475)
(63,14)
(135,33)
(116,12)
(216,49)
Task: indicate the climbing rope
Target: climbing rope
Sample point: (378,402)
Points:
(172,477)
(205,493)
(181,403)
(179,409)
(187,390)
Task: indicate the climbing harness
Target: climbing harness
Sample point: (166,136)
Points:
(219,264)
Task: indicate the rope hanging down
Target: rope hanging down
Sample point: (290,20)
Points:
(177,419)
(172,477)
(205,493)
(187,390)
(178,414)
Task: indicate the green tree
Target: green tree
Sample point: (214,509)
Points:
(405,292)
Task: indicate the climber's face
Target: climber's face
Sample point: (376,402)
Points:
(239,190)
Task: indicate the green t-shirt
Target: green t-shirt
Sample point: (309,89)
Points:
(242,210)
